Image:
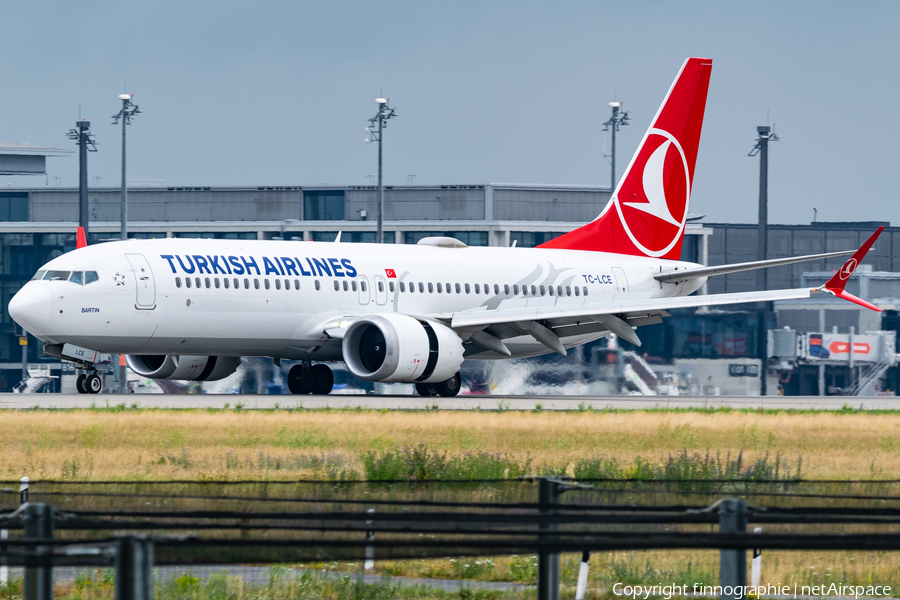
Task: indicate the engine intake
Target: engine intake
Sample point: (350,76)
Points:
(401,348)
(184,368)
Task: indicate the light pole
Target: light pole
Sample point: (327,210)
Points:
(619,117)
(375,129)
(126,114)
(85,140)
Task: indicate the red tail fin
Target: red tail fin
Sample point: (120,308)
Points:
(80,239)
(647,212)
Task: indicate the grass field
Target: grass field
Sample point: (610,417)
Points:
(141,444)
(287,444)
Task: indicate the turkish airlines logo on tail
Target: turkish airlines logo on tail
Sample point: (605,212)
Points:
(652,200)
(847,269)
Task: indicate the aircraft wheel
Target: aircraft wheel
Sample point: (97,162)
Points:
(425,389)
(297,383)
(449,388)
(93,383)
(79,384)
(320,379)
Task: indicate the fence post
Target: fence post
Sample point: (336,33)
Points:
(38,523)
(370,550)
(548,562)
(582,576)
(756,563)
(134,568)
(4,534)
(732,563)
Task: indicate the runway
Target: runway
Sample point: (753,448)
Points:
(484,402)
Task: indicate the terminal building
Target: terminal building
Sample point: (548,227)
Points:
(38,223)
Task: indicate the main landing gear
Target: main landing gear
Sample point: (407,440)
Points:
(447,389)
(89,383)
(310,379)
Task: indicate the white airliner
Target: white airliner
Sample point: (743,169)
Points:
(190,309)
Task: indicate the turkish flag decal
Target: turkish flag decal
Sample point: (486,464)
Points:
(392,274)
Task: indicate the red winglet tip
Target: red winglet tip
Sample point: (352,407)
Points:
(80,239)
(839,279)
(851,298)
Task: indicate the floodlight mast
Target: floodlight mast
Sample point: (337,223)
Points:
(85,142)
(375,129)
(126,114)
(619,117)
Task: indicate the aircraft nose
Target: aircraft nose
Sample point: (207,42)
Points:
(30,307)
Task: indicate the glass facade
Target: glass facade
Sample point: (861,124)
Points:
(323,205)
(13,206)
(356,237)
(531,239)
(216,235)
(469,238)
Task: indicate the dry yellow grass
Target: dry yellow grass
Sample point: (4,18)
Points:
(108,444)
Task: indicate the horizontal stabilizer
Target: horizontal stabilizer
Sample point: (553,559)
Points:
(674,276)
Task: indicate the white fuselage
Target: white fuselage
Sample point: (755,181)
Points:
(141,302)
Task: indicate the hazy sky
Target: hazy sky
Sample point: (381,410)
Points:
(279,93)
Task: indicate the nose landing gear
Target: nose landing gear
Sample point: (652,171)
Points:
(310,379)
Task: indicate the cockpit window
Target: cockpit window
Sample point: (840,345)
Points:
(38,275)
(77,277)
(56,276)
(90,277)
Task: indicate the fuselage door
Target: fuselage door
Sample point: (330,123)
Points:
(380,290)
(363,289)
(621,280)
(143,279)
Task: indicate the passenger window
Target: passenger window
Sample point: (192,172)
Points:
(237,284)
(533,291)
(391,285)
(542,290)
(90,277)
(447,287)
(457,289)
(277,284)
(568,291)
(77,277)
(246,283)
(287,284)
(402,287)
(296,284)
(178,282)
(38,276)
(318,285)
(524,290)
(430,288)
(551,291)
(225,281)
(346,286)
(216,282)
(207,283)
(515,289)
(380,286)
(496,289)
(353,285)
(197,281)
(255,284)
(56,276)
(467,288)
(337,285)
(477,289)
(267,284)
(421,288)
(559,290)
(584,290)
(362,285)
(440,288)
(412,288)
(506,289)
(187,282)
(577,291)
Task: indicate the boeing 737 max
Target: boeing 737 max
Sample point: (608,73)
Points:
(190,309)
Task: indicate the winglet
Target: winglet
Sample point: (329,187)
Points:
(836,284)
(81,240)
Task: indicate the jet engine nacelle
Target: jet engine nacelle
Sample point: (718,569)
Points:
(184,368)
(401,348)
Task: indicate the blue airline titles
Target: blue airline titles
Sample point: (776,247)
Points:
(239,265)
